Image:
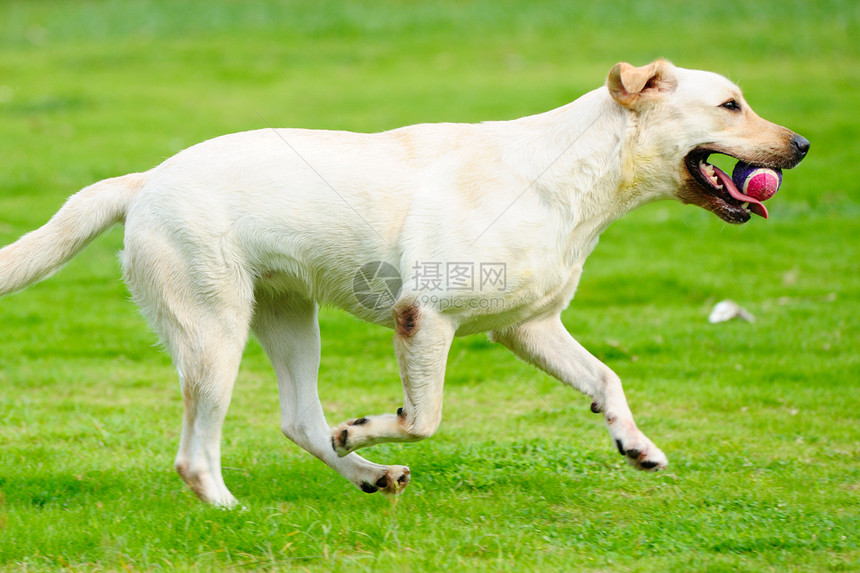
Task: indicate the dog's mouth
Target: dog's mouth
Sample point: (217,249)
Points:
(720,194)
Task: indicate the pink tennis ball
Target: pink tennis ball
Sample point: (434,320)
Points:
(757,182)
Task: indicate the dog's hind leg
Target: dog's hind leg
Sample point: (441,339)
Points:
(421,341)
(201,307)
(549,346)
(288,330)
(207,364)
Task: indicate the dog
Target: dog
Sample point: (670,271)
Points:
(432,230)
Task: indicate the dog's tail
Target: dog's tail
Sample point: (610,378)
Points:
(86,215)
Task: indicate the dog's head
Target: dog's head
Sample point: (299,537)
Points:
(681,117)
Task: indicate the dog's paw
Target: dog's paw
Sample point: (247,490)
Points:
(340,437)
(638,450)
(366,431)
(344,437)
(393,481)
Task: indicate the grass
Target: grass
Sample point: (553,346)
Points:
(759,420)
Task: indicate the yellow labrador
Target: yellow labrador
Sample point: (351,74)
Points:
(431,230)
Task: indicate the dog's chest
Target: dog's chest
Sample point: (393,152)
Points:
(534,287)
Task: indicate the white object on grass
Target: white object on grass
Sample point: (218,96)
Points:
(727,310)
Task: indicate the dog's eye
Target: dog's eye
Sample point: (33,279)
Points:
(731,105)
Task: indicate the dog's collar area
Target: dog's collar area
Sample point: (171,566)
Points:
(733,206)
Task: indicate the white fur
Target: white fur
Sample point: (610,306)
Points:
(252,231)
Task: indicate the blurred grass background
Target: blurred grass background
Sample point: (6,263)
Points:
(759,420)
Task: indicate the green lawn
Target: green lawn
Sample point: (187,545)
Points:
(760,421)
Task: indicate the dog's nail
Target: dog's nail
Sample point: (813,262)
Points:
(382,482)
(633,454)
(595,408)
(400,412)
(368,487)
(343,436)
(620,447)
(649,465)
(403,477)
(360,422)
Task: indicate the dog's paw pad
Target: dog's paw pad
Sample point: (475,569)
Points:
(633,454)
(393,481)
(340,436)
(340,440)
(397,478)
(653,463)
(368,487)
(642,454)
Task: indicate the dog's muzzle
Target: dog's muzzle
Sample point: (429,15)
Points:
(711,188)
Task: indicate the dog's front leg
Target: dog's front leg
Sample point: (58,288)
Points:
(547,345)
(422,339)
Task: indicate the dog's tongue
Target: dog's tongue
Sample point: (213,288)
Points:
(729,185)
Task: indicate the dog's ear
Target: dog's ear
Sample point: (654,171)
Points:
(630,85)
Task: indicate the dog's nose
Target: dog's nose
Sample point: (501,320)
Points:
(801,146)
